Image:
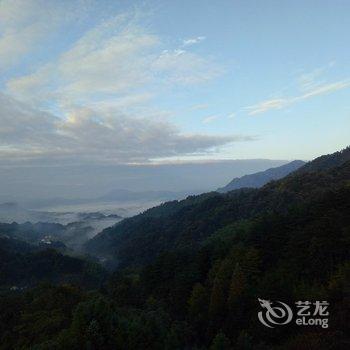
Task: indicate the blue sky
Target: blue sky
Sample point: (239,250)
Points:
(135,82)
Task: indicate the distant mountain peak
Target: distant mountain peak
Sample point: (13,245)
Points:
(261,178)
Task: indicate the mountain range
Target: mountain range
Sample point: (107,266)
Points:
(261,178)
(140,239)
(188,274)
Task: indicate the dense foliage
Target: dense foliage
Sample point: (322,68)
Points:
(190,275)
(23,266)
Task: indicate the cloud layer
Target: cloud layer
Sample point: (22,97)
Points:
(91,102)
(87,135)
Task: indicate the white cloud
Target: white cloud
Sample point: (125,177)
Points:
(113,58)
(17,32)
(99,92)
(267,105)
(105,63)
(24,24)
(186,68)
(279,103)
(311,80)
(199,106)
(325,89)
(87,135)
(193,41)
(309,84)
(308,81)
(231,116)
(210,119)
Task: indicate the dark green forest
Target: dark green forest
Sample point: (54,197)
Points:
(188,274)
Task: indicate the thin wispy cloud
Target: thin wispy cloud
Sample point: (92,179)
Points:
(182,67)
(199,106)
(326,89)
(267,105)
(113,57)
(193,41)
(210,119)
(27,26)
(309,81)
(103,61)
(311,91)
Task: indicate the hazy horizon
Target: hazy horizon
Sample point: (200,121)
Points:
(87,182)
(165,95)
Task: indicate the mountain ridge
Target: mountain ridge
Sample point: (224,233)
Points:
(261,178)
(189,273)
(195,218)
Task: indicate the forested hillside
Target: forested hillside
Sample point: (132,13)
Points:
(190,274)
(187,223)
(23,266)
(327,161)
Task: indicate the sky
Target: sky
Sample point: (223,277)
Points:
(109,83)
